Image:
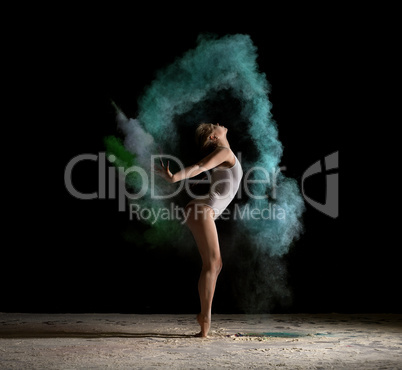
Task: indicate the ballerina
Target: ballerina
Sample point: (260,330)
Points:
(203,211)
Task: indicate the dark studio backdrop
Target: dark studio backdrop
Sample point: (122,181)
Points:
(71,255)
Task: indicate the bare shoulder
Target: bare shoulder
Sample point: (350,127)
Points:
(219,157)
(228,157)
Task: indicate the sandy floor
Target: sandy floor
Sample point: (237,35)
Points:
(123,341)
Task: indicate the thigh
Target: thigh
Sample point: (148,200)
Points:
(202,225)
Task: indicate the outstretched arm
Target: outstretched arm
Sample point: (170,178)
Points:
(218,156)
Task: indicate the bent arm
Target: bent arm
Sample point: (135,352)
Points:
(218,156)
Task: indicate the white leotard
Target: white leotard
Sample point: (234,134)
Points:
(224,185)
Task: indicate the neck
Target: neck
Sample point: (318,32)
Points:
(224,143)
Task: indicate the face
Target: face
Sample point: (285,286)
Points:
(219,130)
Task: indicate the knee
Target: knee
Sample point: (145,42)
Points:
(219,267)
(214,265)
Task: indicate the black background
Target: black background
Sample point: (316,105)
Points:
(69,255)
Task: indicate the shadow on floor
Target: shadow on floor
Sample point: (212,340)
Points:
(61,334)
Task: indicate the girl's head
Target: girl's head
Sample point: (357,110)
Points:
(208,135)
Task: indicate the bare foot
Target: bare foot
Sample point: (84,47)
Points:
(205,323)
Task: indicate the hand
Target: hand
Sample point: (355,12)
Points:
(164,171)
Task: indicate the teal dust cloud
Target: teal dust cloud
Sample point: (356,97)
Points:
(217,81)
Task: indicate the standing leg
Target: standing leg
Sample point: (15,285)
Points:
(203,228)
